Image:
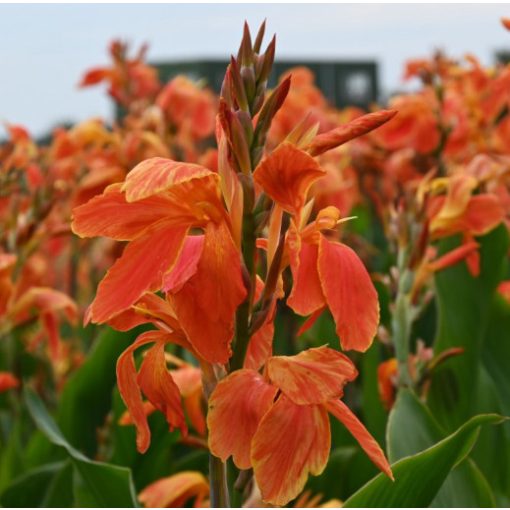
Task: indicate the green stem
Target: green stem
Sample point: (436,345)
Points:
(402,318)
(401,325)
(218,483)
(218,488)
(244,311)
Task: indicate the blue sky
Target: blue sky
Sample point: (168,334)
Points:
(44,49)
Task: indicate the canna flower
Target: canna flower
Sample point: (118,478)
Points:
(129,79)
(326,273)
(461,212)
(278,423)
(158,209)
(188,107)
(19,305)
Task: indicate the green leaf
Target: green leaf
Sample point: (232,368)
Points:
(412,429)
(100,484)
(37,488)
(11,463)
(87,396)
(418,478)
(464,306)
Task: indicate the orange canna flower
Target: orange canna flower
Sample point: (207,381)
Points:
(155,209)
(326,273)
(189,107)
(281,426)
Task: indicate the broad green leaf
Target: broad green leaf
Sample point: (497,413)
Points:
(492,450)
(106,485)
(464,307)
(418,478)
(87,395)
(11,462)
(496,350)
(29,490)
(412,429)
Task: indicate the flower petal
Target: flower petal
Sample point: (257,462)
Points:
(130,391)
(186,265)
(206,303)
(111,216)
(291,441)
(306,295)
(313,376)
(350,295)
(155,175)
(140,268)
(286,175)
(483,213)
(173,491)
(342,413)
(160,389)
(236,407)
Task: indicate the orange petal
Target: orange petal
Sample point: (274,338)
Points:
(174,491)
(188,379)
(236,407)
(260,346)
(207,302)
(452,257)
(342,134)
(160,389)
(194,407)
(459,194)
(140,268)
(43,300)
(155,175)
(130,391)
(306,295)
(483,213)
(7,381)
(313,376)
(291,441)
(186,265)
(342,413)
(386,377)
(308,324)
(504,290)
(286,175)
(350,295)
(127,419)
(111,216)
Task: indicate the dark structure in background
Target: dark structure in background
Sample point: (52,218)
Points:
(343,83)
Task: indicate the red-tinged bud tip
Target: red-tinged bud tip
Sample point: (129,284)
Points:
(506,23)
(342,134)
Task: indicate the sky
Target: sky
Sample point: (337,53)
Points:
(44,49)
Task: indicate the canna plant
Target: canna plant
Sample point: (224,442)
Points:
(207,264)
